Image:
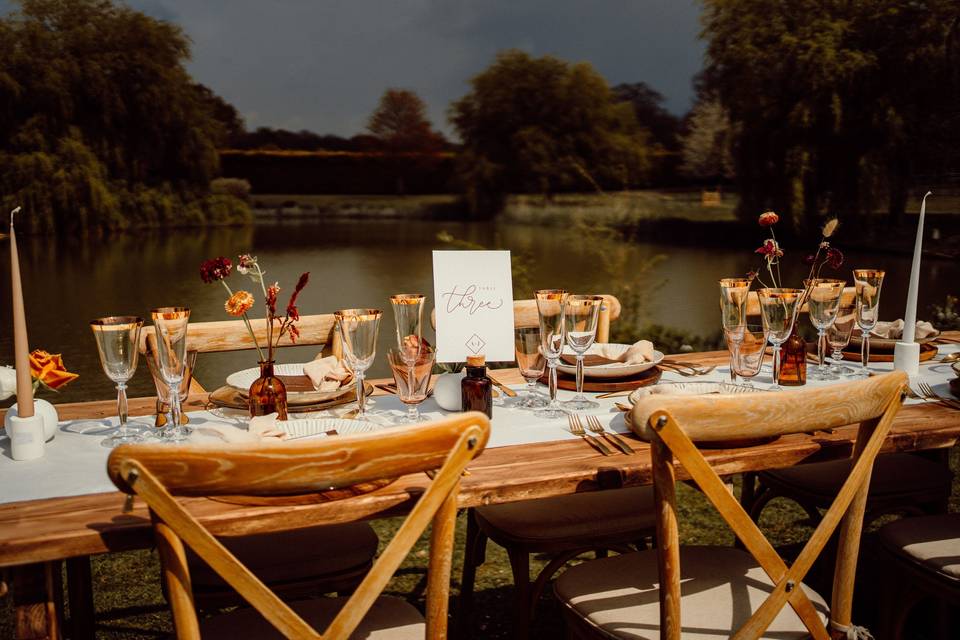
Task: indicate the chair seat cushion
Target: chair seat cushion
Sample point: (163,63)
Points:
(895,473)
(388,618)
(581,517)
(931,541)
(720,589)
(294,555)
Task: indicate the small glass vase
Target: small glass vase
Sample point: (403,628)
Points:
(267,394)
(793,360)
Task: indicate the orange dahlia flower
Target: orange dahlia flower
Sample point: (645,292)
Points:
(239,303)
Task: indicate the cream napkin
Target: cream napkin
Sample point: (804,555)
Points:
(326,374)
(261,428)
(638,353)
(894,330)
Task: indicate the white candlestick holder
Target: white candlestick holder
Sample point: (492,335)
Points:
(26,437)
(906,357)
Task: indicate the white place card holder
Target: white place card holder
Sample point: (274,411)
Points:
(473,291)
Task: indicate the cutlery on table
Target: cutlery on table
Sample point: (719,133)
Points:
(576,428)
(927,393)
(615,394)
(594,424)
(623,407)
(499,385)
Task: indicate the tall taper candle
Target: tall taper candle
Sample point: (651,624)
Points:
(910,315)
(21,348)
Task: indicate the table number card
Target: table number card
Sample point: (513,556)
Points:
(474,304)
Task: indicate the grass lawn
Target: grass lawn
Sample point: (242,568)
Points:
(130,605)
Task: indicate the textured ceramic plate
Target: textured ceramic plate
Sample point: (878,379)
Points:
(616,370)
(320,426)
(690,389)
(885,344)
(243,379)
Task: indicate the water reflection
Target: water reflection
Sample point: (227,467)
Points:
(358,263)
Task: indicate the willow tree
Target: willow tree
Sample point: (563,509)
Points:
(100,124)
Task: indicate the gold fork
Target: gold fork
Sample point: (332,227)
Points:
(593,423)
(929,394)
(576,428)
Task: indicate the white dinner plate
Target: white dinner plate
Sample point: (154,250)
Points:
(243,379)
(306,427)
(614,370)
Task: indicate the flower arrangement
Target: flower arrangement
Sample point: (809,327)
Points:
(46,369)
(826,255)
(239,303)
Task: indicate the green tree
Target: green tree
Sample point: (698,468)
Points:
(838,105)
(647,102)
(98,118)
(541,125)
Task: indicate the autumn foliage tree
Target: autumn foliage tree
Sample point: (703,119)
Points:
(400,123)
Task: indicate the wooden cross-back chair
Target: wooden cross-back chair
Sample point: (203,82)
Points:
(158,475)
(725,591)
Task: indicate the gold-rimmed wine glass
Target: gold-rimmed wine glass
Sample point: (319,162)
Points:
(868,283)
(580,315)
(733,314)
(413,382)
(408,321)
(118,343)
(823,301)
(532,364)
(358,330)
(550,313)
(778,310)
(170,324)
(838,336)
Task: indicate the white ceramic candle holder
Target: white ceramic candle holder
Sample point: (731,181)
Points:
(26,437)
(906,357)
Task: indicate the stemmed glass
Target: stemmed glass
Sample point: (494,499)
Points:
(408,320)
(359,329)
(823,301)
(532,364)
(733,314)
(412,381)
(118,342)
(750,352)
(868,283)
(838,335)
(580,314)
(171,327)
(550,310)
(778,310)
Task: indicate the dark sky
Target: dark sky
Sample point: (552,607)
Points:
(323,64)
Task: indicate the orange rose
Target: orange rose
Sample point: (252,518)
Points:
(49,369)
(239,303)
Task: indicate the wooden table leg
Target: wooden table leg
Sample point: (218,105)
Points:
(80,592)
(34,590)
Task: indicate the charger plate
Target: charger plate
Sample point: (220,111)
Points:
(233,398)
(568,382)
(927,352)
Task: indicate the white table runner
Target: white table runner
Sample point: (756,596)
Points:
(74,462)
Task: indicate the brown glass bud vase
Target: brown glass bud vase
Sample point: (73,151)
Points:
(267,394)
(793,360)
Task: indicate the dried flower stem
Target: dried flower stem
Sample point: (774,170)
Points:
(246,321)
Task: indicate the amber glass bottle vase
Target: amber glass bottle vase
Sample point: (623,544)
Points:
(793,360)
(267,393)
(476,389)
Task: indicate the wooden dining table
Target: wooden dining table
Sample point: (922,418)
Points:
(36,536)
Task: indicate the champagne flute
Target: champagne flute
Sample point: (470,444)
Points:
(171,330)
(580,314)
(868,283)
(118,342)
(778,310)
(550,312)
(412,382)
(823,301)
(408,320)
(838,335)
(750,352)
(733,314)
(532,364)
(359,329)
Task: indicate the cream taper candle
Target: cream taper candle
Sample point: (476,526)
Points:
(910,315)
(21,348)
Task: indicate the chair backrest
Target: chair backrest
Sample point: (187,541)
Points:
(525,315)
(232,335)
(847,299)
(673,423)
(157,474)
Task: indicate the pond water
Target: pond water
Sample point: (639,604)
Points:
(359,263)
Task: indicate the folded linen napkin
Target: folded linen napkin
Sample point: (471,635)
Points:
(894,330)
(637,353)
(327,374)
(260,429)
